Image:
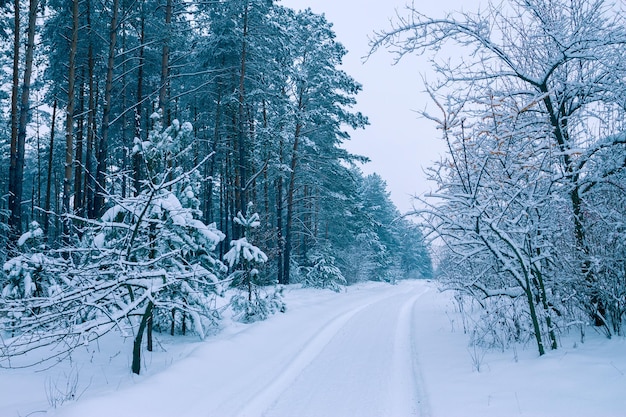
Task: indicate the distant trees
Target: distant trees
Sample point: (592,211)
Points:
(387,246)
(270,103)
(534,177)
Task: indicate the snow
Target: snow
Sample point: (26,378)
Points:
(170,203)
(372,350)
(33,234)
(209,232)
(112,213)
(241,248)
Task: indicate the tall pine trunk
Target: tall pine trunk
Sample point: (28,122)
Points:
(46,214)
(240,171)
(279,216)
(79,197)
(69,124)
(137,156)
(91,124)
(165,61)
(291,190)
(211,166)
(15,220)
(279,230)
(18,143)
(103,143)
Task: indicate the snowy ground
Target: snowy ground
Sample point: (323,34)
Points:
(376,350)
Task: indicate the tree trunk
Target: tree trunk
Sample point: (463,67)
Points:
(173,323)
(37,201)
(15,220)
(91,125)
(165,58)
(558,122)
(546,309)
(137,156)
(46,214)
(279,217)
(136,365)
(57,207)
(279,231)
(79,197)
(16,169)
(106,114)
(122,151)
(149,332)
(69,125)
(184,323)
(208,207)
(240,203)
(290,204)
(533,316)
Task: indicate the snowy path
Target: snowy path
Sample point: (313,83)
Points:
(349,355)
(360,365)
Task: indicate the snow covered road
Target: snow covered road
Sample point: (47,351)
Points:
(349,355)
(361,366)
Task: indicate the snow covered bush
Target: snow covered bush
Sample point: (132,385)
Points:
(167,250)
(263,302)
(323,273)
(28,277)
(26,273)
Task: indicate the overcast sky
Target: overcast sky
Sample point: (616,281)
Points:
(399,143)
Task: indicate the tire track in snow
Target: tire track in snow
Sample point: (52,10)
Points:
(420,384)
(262,401)
(407,396)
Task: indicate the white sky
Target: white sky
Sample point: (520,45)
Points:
(399,143)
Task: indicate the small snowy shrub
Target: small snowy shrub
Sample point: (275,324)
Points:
(262,305)
(32,273)
(323,273)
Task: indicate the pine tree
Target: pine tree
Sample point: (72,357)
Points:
(244,259)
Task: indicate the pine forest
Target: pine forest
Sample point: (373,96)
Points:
(158,153)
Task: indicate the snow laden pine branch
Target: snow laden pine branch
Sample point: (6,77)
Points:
(146,263)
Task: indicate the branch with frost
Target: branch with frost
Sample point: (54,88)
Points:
(417,33)
(511,292)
